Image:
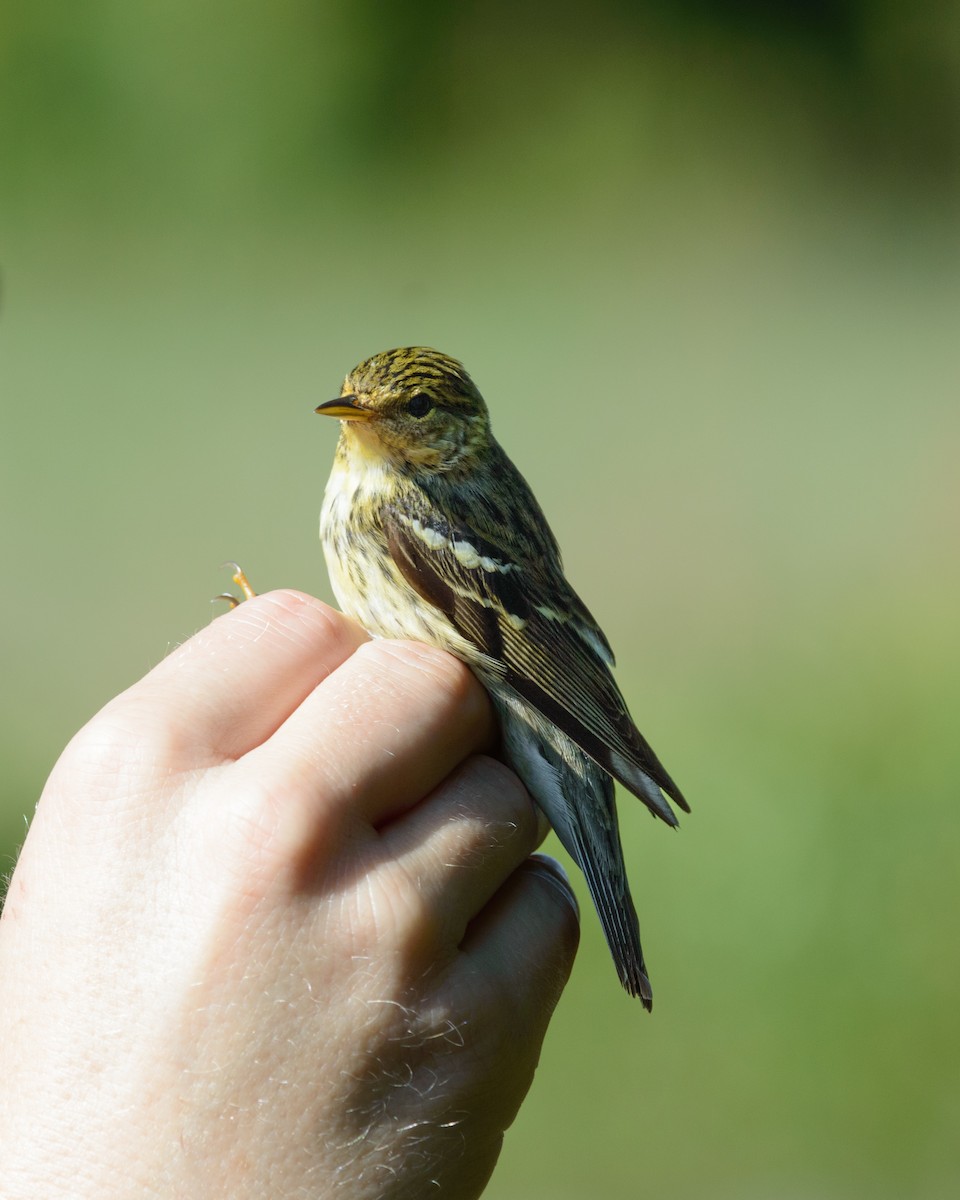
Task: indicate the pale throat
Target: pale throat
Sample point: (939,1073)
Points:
(361,476)
(375,452)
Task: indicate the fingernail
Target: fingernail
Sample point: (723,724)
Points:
(553,871)
(543,825)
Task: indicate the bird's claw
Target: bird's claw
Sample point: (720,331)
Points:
(240,579)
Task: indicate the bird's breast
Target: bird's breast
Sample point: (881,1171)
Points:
(366,581)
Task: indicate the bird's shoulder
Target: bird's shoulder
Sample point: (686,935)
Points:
(482,540)
(495,502)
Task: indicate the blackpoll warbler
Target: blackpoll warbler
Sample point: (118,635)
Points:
(430,532)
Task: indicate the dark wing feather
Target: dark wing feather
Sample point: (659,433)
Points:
(539,637)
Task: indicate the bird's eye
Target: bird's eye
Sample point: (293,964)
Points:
(419,405)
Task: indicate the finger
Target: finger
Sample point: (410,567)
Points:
(379,733)
(524,942)
(231,685)
(448,856)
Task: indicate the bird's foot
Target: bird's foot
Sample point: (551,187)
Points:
(240,579)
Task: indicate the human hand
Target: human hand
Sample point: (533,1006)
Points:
(275,931)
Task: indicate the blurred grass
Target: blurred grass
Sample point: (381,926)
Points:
(723,350)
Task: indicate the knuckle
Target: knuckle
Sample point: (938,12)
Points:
(491,805)
(503,790)
(400,914)
(294,610)
(422,664)
(246,840)
(121,743)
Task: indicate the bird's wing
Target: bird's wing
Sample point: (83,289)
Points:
(536,634)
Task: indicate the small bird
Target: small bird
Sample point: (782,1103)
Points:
(431,533)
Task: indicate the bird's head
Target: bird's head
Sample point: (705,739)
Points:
(414,406)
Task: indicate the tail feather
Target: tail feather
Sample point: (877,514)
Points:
(642,786)
(644,775)
(601,860)
(577,796)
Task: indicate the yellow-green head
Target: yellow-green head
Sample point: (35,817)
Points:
(415,406)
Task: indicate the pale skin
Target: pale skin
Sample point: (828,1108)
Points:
(276,930)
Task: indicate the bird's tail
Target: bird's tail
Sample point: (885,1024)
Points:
(577,796)
(595,846)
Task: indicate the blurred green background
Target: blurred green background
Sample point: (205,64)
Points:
(702,259)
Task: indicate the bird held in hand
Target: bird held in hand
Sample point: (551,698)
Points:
(431,533)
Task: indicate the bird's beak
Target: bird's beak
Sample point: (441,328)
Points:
(347,408)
